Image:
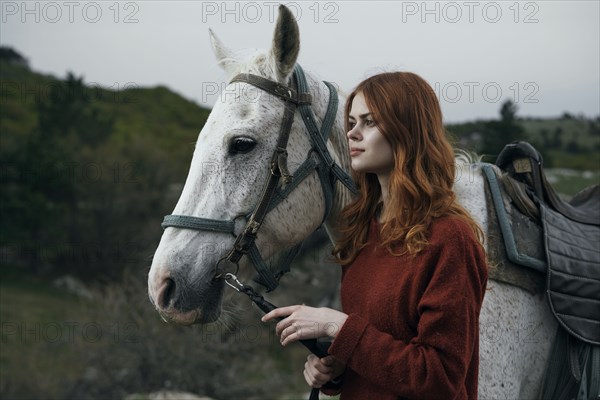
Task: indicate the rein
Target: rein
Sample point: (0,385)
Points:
(319,160)
(319,349)
(316,347)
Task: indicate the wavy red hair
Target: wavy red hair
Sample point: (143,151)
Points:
(407,112)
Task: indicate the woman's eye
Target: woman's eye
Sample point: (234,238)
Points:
(241,145)
(351,125)
(369,122)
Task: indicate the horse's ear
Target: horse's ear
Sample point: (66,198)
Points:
(224,56)
(286,43)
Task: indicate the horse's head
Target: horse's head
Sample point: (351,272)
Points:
(229,168)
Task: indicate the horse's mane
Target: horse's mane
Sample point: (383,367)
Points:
(462,157)
(254,64)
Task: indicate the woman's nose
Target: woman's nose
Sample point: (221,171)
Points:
(353,134)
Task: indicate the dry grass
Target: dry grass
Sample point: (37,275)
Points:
(57,346)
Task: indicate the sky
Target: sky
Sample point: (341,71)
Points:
(542,55)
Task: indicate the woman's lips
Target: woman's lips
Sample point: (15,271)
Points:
(354,151)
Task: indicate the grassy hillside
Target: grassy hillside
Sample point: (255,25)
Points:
(156,115)
(82,165)
(564,142)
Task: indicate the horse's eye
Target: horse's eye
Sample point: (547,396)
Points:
(240,145)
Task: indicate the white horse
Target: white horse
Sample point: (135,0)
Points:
(228,169)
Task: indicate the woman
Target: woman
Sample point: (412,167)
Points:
(413,267)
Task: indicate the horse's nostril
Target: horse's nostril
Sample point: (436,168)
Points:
(168,292)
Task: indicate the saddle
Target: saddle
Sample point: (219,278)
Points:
(521,161)
(527,207)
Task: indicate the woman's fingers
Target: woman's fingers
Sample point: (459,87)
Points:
(300,322)
(316,373)
(283,313)
(280,312)
(310,380)
(324,365)
(289,334)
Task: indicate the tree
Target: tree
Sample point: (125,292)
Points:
(12,56)
(508,111)
(84,173)
(498,133)
(41,207)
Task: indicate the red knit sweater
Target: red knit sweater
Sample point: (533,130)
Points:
(413,322)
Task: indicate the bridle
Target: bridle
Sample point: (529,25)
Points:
(295,97)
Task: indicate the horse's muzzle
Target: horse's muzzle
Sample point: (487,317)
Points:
(179,303)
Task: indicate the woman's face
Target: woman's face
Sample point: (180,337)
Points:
(369,149)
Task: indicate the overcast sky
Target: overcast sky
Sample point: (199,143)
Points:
(543,55)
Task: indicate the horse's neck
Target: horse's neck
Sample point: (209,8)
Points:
(338,147)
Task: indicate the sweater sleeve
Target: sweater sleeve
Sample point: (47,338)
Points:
(434,363)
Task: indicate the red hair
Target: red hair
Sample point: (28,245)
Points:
(407,113)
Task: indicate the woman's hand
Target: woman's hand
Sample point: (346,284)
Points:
(302,322)
(319,371)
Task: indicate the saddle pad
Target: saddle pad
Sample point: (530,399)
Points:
(522,236)
(573,279)
(502,268)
